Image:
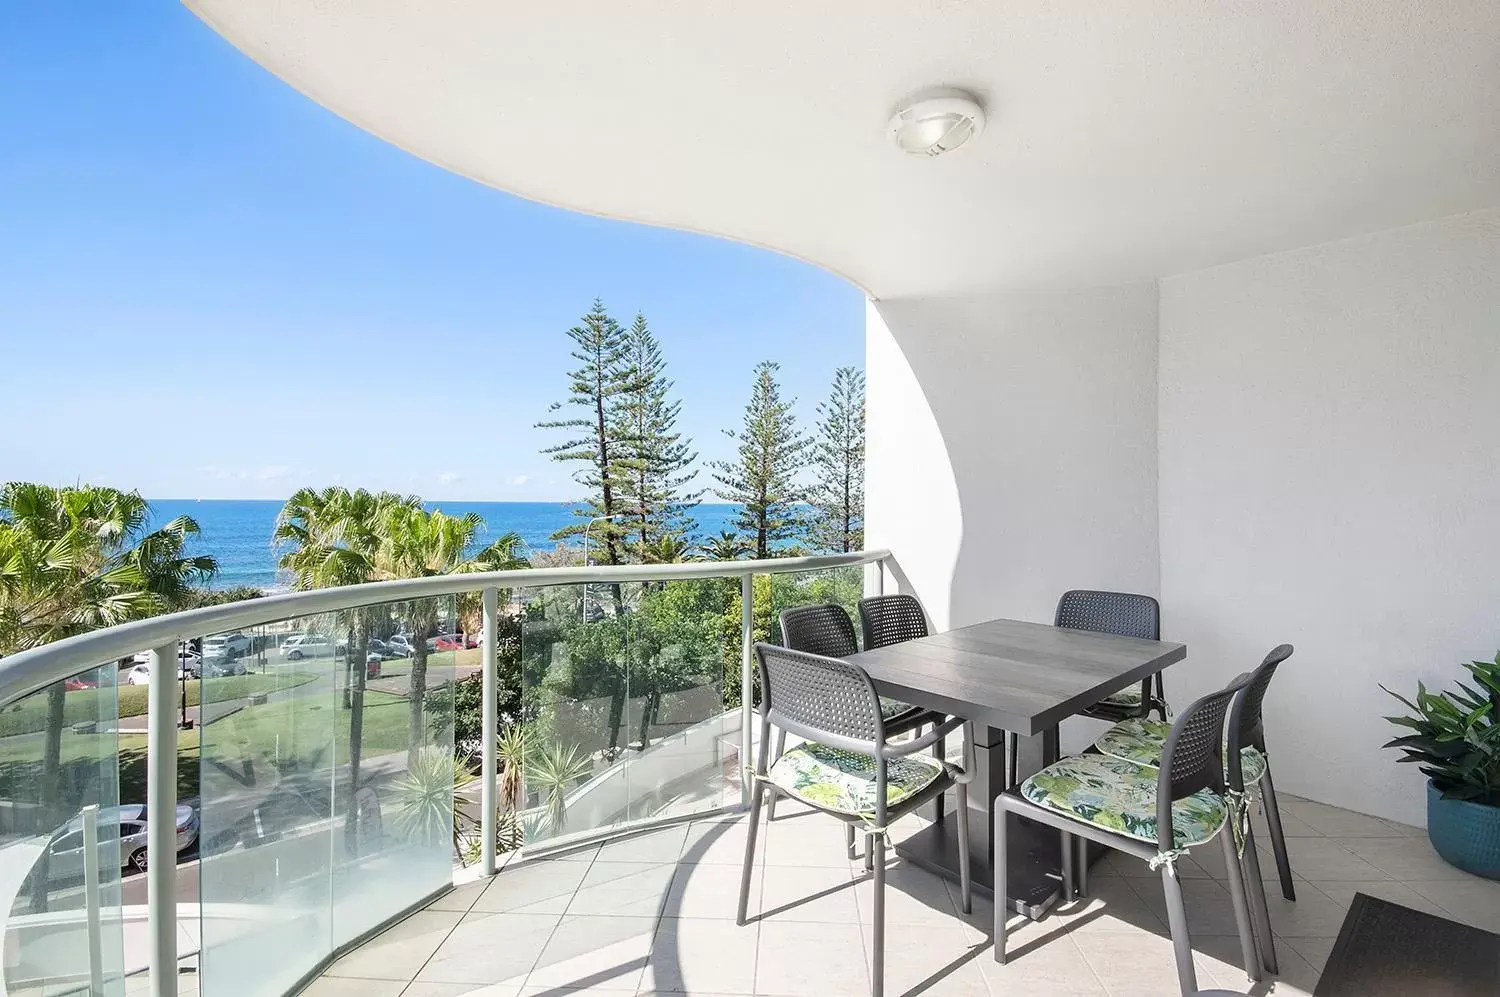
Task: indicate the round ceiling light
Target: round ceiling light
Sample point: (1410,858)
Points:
(933,122)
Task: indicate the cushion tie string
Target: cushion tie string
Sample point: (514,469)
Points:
(1166,858)
(1239,816)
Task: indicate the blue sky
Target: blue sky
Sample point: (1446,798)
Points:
(211,287)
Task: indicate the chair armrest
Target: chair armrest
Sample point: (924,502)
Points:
(927,740)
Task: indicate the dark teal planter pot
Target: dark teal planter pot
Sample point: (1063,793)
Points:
(1466,835)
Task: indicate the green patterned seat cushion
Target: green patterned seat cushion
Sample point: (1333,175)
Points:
(1130,697)
(844,781)
(892,708)
(1120,796)
(1142,741)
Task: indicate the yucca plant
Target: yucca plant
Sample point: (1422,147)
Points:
(1456,739)
(426,810)
(555,768)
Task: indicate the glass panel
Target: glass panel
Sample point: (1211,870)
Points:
(58,768)
(327,787)
(840,586)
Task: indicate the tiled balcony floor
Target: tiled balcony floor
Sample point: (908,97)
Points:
(655,913)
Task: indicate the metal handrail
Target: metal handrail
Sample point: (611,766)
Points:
(26,672)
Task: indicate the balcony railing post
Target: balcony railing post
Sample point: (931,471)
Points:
(747,686)
(161,820)
(90,816)
(488,732)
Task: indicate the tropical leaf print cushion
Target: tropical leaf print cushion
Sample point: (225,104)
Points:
(1120,796)
(844,781)
(1142,741)
(892,707)
(1125,697)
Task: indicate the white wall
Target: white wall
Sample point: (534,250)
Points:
(1330,477)
(1012,447)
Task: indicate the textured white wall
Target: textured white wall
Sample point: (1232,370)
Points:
(1012,447)
(1330,477)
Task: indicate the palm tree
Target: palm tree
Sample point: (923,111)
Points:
(419,544)
(77,559)
(334,537)
(727,546)
(668,548)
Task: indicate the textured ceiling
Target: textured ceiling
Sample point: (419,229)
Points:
(1125,140)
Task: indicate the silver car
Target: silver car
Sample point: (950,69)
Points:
(122,826)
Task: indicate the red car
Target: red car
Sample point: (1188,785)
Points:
(452,642)
(76,683)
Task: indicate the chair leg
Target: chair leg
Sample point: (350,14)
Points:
(1012,764)
(965,885)
(1067,866)
(1260,914)
(1182,942)
(756,795)
(877,953)
(1081,867)
(1236,878)
(999,859)
(869,852)
(849,840)
(940,752)
(1278,838)
(780,747)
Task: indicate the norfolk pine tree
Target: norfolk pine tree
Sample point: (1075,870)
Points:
(762,478)
(838,496)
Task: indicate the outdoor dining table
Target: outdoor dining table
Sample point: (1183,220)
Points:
(1008,675)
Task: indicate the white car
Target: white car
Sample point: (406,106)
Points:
(400,645)
(225,647)
(310,646)
(139,674)
(188,663)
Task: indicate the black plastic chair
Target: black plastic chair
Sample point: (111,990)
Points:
(1090,796)
(1127,615)
(860,777)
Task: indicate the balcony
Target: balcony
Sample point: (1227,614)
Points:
(654,912)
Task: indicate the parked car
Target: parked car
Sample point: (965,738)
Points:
(400,646)
(451,642)
(127,823)
(77,682)
(189,664)
(222,668)
(226,646)
(385,650)
(307,646)
(139,674)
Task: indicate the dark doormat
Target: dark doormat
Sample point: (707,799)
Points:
(1386,949)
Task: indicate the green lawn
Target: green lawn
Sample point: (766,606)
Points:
(30,714)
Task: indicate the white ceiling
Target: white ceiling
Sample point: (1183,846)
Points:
(1125,140)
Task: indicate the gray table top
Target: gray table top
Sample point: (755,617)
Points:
(1021,677)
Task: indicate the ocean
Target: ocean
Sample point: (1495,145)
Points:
(238,531)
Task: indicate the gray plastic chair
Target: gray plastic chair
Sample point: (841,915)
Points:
(1089,796)
(1246,719)
(861,777)
(1126,615)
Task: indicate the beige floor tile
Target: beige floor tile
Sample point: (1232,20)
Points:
(1334,822)
(931,960)
(1291,826)
(664,845)
(1323,858)
(603,952)
(1471,901)
(545,887)
(333,986)
(1209,908)
(1296,977)
(1040,960)
(471,955)
(1112,906)
(460,898)
(809,840)
(634,889)
(1137,964)
(913,896)
(1313,915)
(808,894)
(1314,950)
(401,950)
(1397,893)
(420,988)
(811,960)
(719,843)
(1404,858)
(696,955)
(708,890)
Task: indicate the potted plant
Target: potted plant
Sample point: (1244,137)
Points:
(1455,740)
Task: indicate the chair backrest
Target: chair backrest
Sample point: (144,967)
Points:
(818,697)
(891,619)
(1245,720)
(1110,613)
(1192,758)
(824,629)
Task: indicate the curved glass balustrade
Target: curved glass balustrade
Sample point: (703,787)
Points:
(331,768)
